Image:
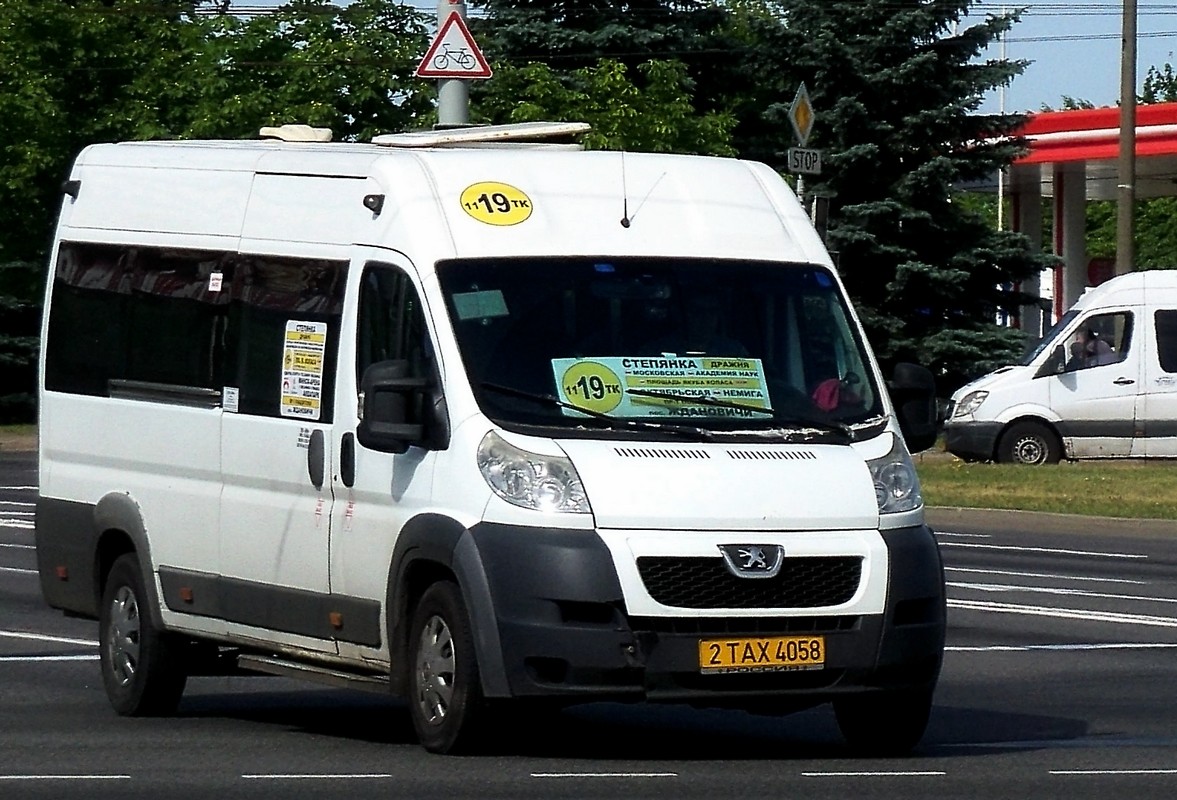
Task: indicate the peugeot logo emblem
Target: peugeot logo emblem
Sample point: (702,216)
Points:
(753,560)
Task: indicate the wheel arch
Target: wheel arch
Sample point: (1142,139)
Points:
(121,530)
(433,547)
(1049,424)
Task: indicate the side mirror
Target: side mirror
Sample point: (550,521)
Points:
(390,413)
(913,392)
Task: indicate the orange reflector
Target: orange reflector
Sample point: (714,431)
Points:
(336,620)
(186,594)
(62,572)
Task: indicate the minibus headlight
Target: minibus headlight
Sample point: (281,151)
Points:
(529,480)
(969,403)
(897,487)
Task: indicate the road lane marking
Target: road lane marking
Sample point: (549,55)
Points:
(895,774)
(65,777)
(1051,575)
(19,488)
(1030,648)
(30,659)
(1113,772)
(19,570)
(317,776)
(43,637)
(23,525)
(965,535)
(604,774)
(1005,587)
(1065,613)
(19,546)
(17,503)
(1052,550)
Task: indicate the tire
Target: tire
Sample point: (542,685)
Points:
(1029,443)
(886,724)
(444,687)
(143,667)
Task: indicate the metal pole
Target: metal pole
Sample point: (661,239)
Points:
(1126,186)
(453,94)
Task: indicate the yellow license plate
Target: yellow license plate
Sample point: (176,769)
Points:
(772,654)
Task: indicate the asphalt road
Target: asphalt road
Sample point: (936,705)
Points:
(1058,681)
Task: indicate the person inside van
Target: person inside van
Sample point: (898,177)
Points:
(1090,350)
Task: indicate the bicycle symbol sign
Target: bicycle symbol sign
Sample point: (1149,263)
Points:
(453,53)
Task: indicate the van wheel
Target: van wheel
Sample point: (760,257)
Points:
(886,723)
(445,690)
(1029,443)
(142,667)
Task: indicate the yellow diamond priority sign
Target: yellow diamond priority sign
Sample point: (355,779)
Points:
(801,115)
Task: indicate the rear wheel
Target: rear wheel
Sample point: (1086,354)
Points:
(888,723)
(142,666)
(1029,443)
(445,690)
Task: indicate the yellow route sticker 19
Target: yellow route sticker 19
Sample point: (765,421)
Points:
(496,203)
(592,386)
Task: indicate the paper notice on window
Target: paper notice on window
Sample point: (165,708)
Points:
(665,386)
(303,356)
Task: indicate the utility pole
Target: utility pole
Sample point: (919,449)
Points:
(453,94)
(1126,185)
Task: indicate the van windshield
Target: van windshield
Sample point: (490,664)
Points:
(707,345)
(1048,338)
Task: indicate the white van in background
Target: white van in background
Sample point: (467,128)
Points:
(1102,383)
(465,418)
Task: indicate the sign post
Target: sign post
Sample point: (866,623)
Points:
(454,59)
(803,161)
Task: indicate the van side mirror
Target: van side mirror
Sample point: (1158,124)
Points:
(913,392)
(390,413)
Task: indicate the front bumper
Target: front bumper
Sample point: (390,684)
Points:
(972,441)
(565,632)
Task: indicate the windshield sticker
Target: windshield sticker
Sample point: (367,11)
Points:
(480,305)
(666,386)
(496,203)
(302,369)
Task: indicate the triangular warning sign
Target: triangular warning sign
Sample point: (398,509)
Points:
(453,53)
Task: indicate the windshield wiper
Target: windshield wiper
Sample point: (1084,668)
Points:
(611,421)
(810,422)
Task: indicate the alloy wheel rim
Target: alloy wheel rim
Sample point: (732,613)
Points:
(123,638)
(435,671)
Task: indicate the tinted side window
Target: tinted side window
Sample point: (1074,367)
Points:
(1167,339)
(133,314)
(391,323)
(283,336)
(262,330)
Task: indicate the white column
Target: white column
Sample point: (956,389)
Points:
(1070,203)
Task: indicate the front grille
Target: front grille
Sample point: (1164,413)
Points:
(742,626)
(803,582)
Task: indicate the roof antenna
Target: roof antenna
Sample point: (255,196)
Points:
(624,195)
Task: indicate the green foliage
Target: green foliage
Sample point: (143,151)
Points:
(656,116)
(1160,85)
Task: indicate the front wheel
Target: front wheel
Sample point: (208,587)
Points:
(445,690)
(1029,443)
(888,723)
(142,666)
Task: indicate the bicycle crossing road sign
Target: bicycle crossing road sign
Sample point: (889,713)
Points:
(453,53)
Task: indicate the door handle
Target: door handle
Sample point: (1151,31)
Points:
(347,460)
(316,460)
(1123,381)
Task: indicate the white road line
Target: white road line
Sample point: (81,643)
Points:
(16,523)
(31,659)
(1044,575)
(20,546)
(17,503)
(1053,550)
(319,776)
(897,774)
(41,637)
(1065,613)
(65,777)
(965,535)
(604,774)
(1031,648)
(19,570)
(1113,772)
(1005,587)
(19,488)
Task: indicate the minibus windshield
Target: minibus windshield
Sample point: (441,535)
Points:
(1048,338)
(712,345)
